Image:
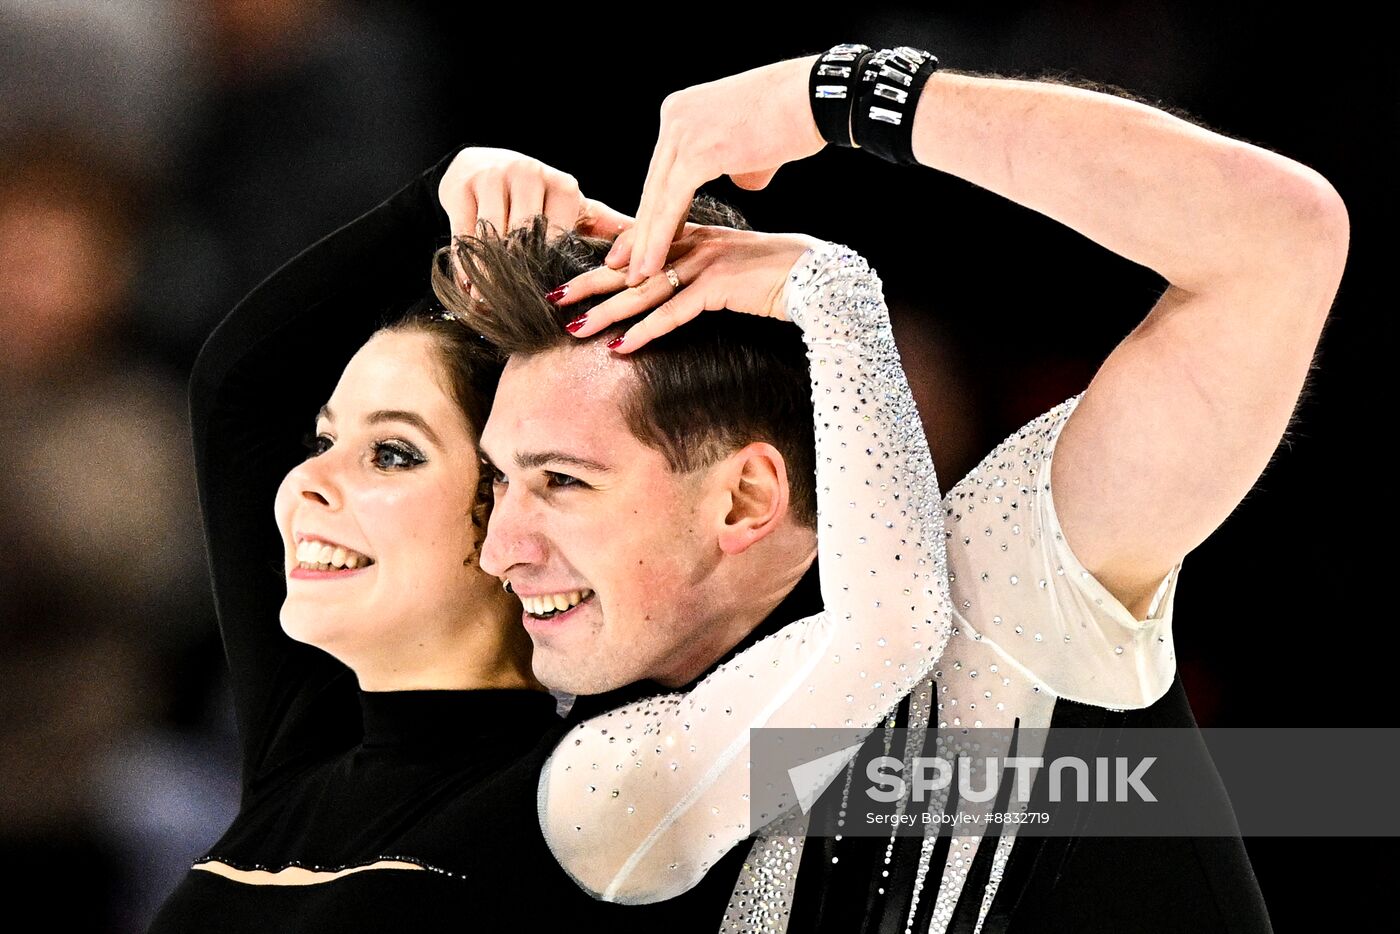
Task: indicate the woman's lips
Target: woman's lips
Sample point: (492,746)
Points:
(316,558)
(301,573)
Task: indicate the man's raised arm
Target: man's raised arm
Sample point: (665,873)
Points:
(1184,415)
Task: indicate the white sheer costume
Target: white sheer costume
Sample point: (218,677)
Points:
(1032,625)
(637,804)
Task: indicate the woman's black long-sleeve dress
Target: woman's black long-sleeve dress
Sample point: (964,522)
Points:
(333,777)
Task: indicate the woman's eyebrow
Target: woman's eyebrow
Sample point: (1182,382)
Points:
(390,415)
(400,415)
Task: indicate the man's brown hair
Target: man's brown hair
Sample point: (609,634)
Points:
(703,391)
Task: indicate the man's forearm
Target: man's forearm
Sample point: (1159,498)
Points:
(1198,208)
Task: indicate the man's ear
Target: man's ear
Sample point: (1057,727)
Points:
(755,481)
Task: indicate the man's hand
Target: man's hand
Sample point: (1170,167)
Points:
(746,126)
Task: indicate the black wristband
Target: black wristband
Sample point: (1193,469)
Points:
(891,81)
(832,90)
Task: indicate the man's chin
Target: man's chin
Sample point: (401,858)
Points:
(559,672)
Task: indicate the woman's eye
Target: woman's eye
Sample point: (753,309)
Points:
(316,444)
(391,455)
(562,479)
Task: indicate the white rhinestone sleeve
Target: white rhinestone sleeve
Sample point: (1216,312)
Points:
(1018,585)
(637,804)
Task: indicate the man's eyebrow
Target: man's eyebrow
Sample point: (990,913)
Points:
(390,415)
(534,459)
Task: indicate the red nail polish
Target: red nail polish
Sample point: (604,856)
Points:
(577,323)
(557,295)
(615,343)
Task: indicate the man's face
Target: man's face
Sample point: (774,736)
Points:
(590,519)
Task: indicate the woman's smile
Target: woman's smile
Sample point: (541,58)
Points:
(302,572)
(318,559)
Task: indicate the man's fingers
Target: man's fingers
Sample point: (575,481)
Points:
(661,165)
(676,234)
(754,181)
(625,247)
(667,220)
(621,253)
(652,170)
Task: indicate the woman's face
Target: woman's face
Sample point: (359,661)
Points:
(376,522)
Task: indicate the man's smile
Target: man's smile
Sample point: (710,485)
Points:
(553,607)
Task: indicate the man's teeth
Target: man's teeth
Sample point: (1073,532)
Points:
(546,604)
(319,556)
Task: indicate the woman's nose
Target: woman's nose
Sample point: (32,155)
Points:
(315,480)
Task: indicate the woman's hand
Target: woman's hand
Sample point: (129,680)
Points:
(717,267)
(746,126)
(508,189)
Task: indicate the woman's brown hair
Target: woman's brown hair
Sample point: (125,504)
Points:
(471,368)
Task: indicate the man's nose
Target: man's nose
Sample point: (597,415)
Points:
(513,535)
